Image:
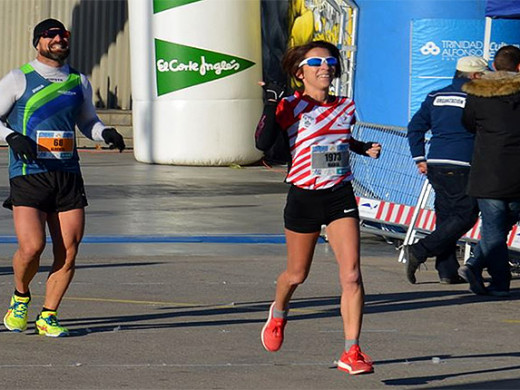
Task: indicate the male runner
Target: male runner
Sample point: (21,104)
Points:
(41,103)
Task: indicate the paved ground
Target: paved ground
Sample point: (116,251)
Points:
(175,277)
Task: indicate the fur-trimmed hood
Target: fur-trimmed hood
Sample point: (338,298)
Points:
(494,84)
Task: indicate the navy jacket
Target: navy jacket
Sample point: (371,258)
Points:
(441,112)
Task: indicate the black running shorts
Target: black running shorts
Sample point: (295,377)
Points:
(307,210)
(48,191)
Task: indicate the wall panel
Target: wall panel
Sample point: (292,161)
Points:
(99,42)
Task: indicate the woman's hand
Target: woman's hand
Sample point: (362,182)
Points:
(273,91)
(374,151)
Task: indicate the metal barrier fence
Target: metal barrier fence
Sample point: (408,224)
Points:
(390,180)
(393,177)
(394,200)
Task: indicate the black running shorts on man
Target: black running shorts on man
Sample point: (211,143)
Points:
(307,210)
(54,191)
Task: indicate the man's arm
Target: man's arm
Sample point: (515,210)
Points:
(417,129)
(12,87)
(88,122)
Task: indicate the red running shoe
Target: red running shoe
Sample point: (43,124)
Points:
(272,332)
(355,362)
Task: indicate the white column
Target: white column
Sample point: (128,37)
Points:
(195,68)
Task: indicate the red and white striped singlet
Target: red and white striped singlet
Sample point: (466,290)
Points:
(319,136)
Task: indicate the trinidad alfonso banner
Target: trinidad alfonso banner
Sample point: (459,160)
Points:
(437,44)
(195,69)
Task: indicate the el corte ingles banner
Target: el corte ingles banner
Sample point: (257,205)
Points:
(161,5)
(179,66)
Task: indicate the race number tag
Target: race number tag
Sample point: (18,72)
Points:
(55,144)
(329,160)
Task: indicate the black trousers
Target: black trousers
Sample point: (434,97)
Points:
(455,212)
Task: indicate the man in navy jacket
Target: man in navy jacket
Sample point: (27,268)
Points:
(447,168)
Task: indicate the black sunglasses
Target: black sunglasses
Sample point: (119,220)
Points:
(57,31)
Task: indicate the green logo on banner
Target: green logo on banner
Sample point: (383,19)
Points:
(180,66)
(162,5)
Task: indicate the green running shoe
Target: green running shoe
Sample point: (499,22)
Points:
(16,318)
(47,324)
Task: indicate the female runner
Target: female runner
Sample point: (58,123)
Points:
(316,127)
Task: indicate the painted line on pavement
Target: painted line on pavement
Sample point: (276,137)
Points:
(178,365)
(203,239)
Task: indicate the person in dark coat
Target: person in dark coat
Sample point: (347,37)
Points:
(492,112)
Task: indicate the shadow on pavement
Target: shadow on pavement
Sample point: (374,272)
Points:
(318,307)
(46,268)
(424,380)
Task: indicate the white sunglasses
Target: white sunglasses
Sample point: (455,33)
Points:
(318,61)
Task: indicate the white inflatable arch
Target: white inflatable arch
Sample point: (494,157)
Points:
(195,67)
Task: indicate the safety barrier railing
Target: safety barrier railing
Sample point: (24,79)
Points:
(393,177)
(394,200)
(424,221)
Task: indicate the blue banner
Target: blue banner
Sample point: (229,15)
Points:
(437,44)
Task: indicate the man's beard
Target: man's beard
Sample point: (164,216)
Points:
(59,56)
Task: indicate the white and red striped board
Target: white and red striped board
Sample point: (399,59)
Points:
(379,210)
(398,214)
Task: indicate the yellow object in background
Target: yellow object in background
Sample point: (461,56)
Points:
(302,30)
(312,20)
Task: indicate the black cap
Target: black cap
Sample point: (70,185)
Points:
(45,25)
